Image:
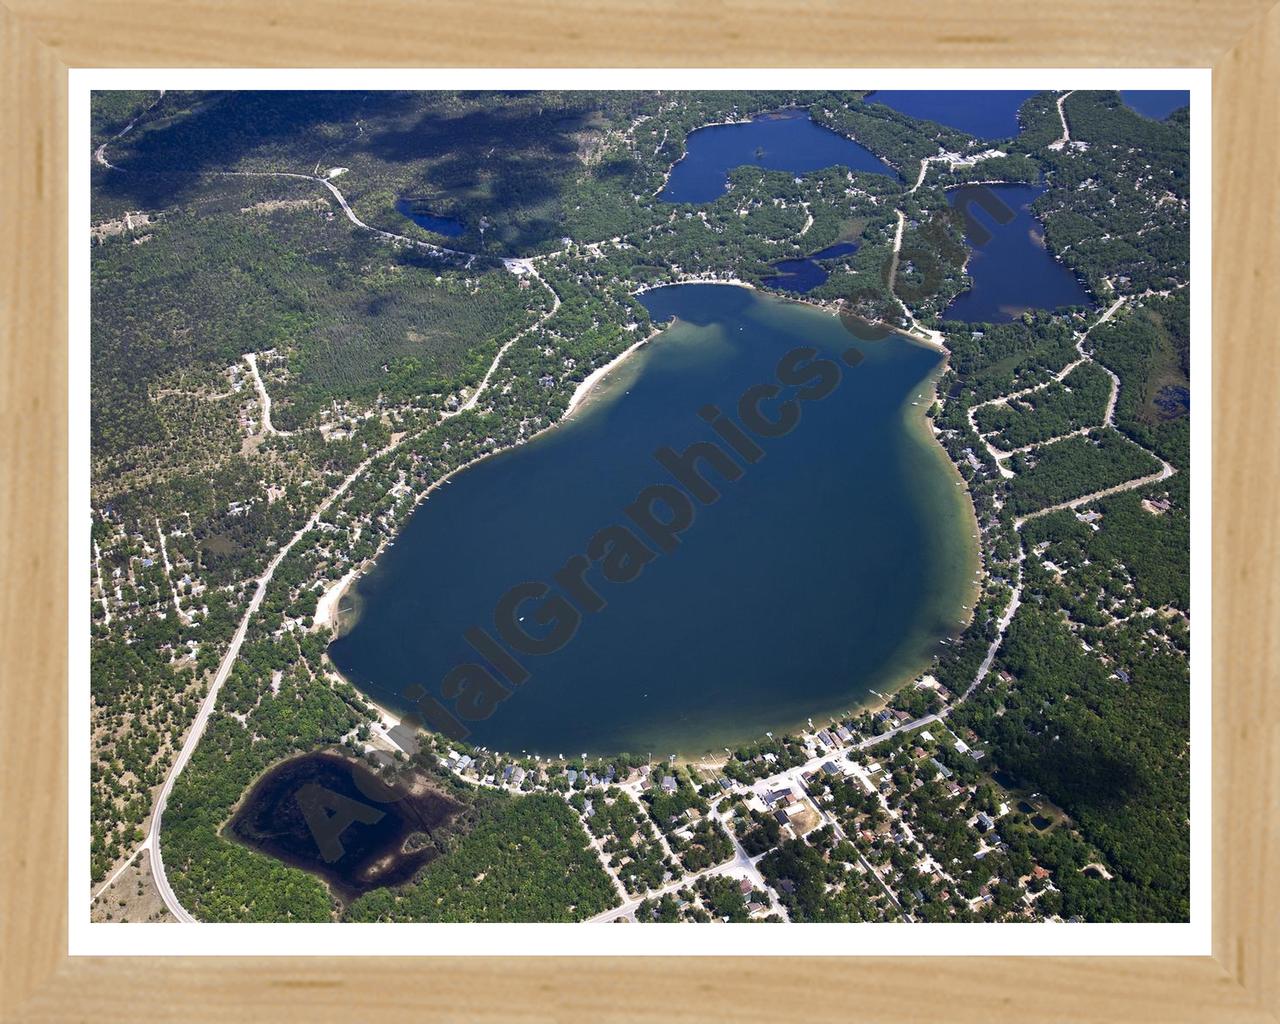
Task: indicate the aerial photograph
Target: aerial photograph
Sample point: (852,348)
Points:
(628,506)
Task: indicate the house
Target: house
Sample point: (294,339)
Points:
(1122,675)
(507,772)
(844,734)
(588,809)
(943,770)
(572,776)
(517,776)
(668,784)
(744,886)
(984,822)
(781,817)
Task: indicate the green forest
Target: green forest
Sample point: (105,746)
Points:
(215,236)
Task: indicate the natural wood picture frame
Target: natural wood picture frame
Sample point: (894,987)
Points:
(41,39)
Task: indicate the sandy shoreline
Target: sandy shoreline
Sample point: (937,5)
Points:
(326,613)
(736,282)
(597,375)
(327,607)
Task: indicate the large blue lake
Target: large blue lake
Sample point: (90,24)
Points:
(834,565)
(986,113)
(1011,269)
(788,140)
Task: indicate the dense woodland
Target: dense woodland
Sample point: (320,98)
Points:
(1079,400)
(364,344)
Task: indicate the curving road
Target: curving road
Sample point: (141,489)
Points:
(196,731)
(201,721)
(233,651)
(741,861)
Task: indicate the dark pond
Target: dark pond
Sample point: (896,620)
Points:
(1011,269)
(833,565)
(1155,103)
(788,140)
(986,113)
(1041,822)
(1025,807)
(286,816)
(446,226)
(1173,400)
(806,274)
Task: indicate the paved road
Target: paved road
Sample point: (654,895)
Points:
(198,726)
(211,698)
(233,651)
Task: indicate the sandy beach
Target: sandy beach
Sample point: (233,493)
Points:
(694,279)
(327,607)
(597,375)
(386,719)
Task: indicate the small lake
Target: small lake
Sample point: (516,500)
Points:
(833,565)
(1011,269)
(1173,401)
(806,274)
(282,814)
(986,113)
(446,226)
(788,140)
(1156,104)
